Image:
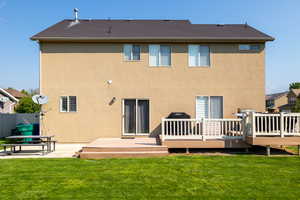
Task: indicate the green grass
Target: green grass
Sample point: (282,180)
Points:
(174,177)
(293,149)
(2,141)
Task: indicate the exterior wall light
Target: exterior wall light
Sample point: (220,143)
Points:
(109,82)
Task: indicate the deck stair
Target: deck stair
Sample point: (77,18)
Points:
(123,148)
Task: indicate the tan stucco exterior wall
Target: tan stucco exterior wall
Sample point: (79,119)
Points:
(82,70)
(283,100)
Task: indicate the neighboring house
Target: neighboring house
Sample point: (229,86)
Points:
(114,78)
(7,102)
(17,94)
(292,96)
(276,100)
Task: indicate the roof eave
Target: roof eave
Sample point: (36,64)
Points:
(9,95)
(207,39)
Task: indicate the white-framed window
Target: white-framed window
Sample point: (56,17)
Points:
(159,55)
(131,52)
(209,107)
(249,47)
(199,55)
(68,104)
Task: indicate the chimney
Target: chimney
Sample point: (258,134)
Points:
(76,14)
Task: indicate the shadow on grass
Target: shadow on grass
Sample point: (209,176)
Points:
(254,150)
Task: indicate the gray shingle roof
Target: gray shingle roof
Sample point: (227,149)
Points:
(149,29)
(276,95)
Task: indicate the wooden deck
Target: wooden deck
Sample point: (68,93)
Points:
(261,129)
(273,140)
(212,143)
(123,148)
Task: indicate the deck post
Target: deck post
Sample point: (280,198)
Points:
(299,150)
(162,129)
(253,123)
(268,148)
(187,150)
(281,125)
(244,123)
(203,129)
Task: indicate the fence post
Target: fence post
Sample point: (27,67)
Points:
(253,124)
(281,125)
(162,129)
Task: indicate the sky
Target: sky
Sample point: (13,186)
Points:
(20,19)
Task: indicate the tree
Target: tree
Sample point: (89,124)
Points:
(25,92)
(26,105)
(296,107)
(295,85)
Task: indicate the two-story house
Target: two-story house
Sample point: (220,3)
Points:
(7,101)
(275,101)
(115,78)
(292,97)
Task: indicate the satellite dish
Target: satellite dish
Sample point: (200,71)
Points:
(40,99)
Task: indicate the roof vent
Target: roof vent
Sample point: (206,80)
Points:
(109,30)
(220,24)
(76,10)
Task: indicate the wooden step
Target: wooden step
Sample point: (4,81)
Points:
(124,149)
(98,155)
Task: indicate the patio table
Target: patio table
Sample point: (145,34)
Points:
(48,139)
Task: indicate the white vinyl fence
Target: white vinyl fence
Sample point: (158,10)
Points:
(9,121)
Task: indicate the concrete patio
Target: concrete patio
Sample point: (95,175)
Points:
(62,151)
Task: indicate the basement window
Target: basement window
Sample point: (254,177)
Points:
(68,104)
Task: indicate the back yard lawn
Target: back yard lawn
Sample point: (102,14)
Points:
(174,177)
(2,141)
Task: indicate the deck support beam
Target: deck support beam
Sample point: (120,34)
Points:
(187,150)
(268,148)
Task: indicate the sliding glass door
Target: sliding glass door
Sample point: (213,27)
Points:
(135,116)
(209,107)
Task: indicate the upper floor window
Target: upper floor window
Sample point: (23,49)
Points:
(68,104)
(159,55)
(249,47)
(199,55)
(132,52)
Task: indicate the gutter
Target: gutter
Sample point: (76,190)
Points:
(211,39)
(9,95)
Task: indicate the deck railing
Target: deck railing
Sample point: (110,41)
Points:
(201,128)
(254,124)
(280,124)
